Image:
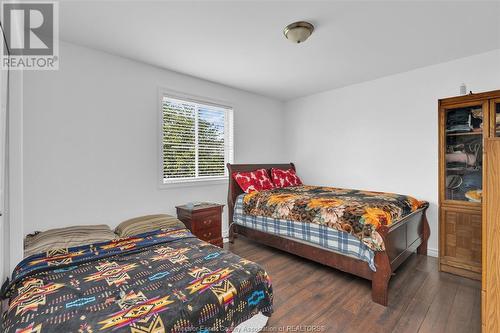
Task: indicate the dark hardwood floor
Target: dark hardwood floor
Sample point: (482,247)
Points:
(421,299)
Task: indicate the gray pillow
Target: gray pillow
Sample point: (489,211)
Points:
(67,237)
(141,224)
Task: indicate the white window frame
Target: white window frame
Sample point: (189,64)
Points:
(229,138)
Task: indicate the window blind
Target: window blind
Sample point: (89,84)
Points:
(197,140)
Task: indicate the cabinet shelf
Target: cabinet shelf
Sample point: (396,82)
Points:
(464,169)
(465,133)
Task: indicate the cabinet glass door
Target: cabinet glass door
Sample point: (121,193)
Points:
(464,153)
(495,110)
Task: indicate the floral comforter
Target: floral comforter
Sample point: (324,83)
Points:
(360,213)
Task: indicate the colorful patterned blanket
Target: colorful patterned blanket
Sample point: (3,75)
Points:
(360,213)
(162,281)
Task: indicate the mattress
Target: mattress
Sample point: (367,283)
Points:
(309,233)
(165,280)
(362,214)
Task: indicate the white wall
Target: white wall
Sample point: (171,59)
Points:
(383,134)
(15,167)
(11,166)
(4,85)
(91,139)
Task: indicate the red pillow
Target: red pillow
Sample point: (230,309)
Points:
(285,178)
(257,180)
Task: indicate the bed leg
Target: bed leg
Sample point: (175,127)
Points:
(426,232)
(232,233)
(380,278)
(422,249)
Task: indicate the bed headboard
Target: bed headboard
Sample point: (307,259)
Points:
(234,189)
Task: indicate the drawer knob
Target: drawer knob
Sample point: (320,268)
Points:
(207,234)
(206,222)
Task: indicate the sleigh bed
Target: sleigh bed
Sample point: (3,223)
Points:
(399,239)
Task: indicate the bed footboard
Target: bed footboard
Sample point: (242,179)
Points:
(401,240)
(405,237)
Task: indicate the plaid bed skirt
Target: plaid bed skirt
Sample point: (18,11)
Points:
(312,233)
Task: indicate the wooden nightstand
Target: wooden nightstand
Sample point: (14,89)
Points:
(204,221)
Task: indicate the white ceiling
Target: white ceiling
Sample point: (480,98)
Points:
(240,43)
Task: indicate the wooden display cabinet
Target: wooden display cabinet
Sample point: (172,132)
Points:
(465,122)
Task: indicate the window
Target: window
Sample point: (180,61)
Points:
(197,140)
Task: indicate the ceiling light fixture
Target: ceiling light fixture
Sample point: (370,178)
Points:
(298,32)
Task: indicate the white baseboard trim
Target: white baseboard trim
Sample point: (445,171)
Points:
(432,252)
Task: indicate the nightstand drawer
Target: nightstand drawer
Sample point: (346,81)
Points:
(209,221)
(208,235)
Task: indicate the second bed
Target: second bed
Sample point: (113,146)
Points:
(368,234)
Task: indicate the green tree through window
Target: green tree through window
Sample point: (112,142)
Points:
(196,140)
